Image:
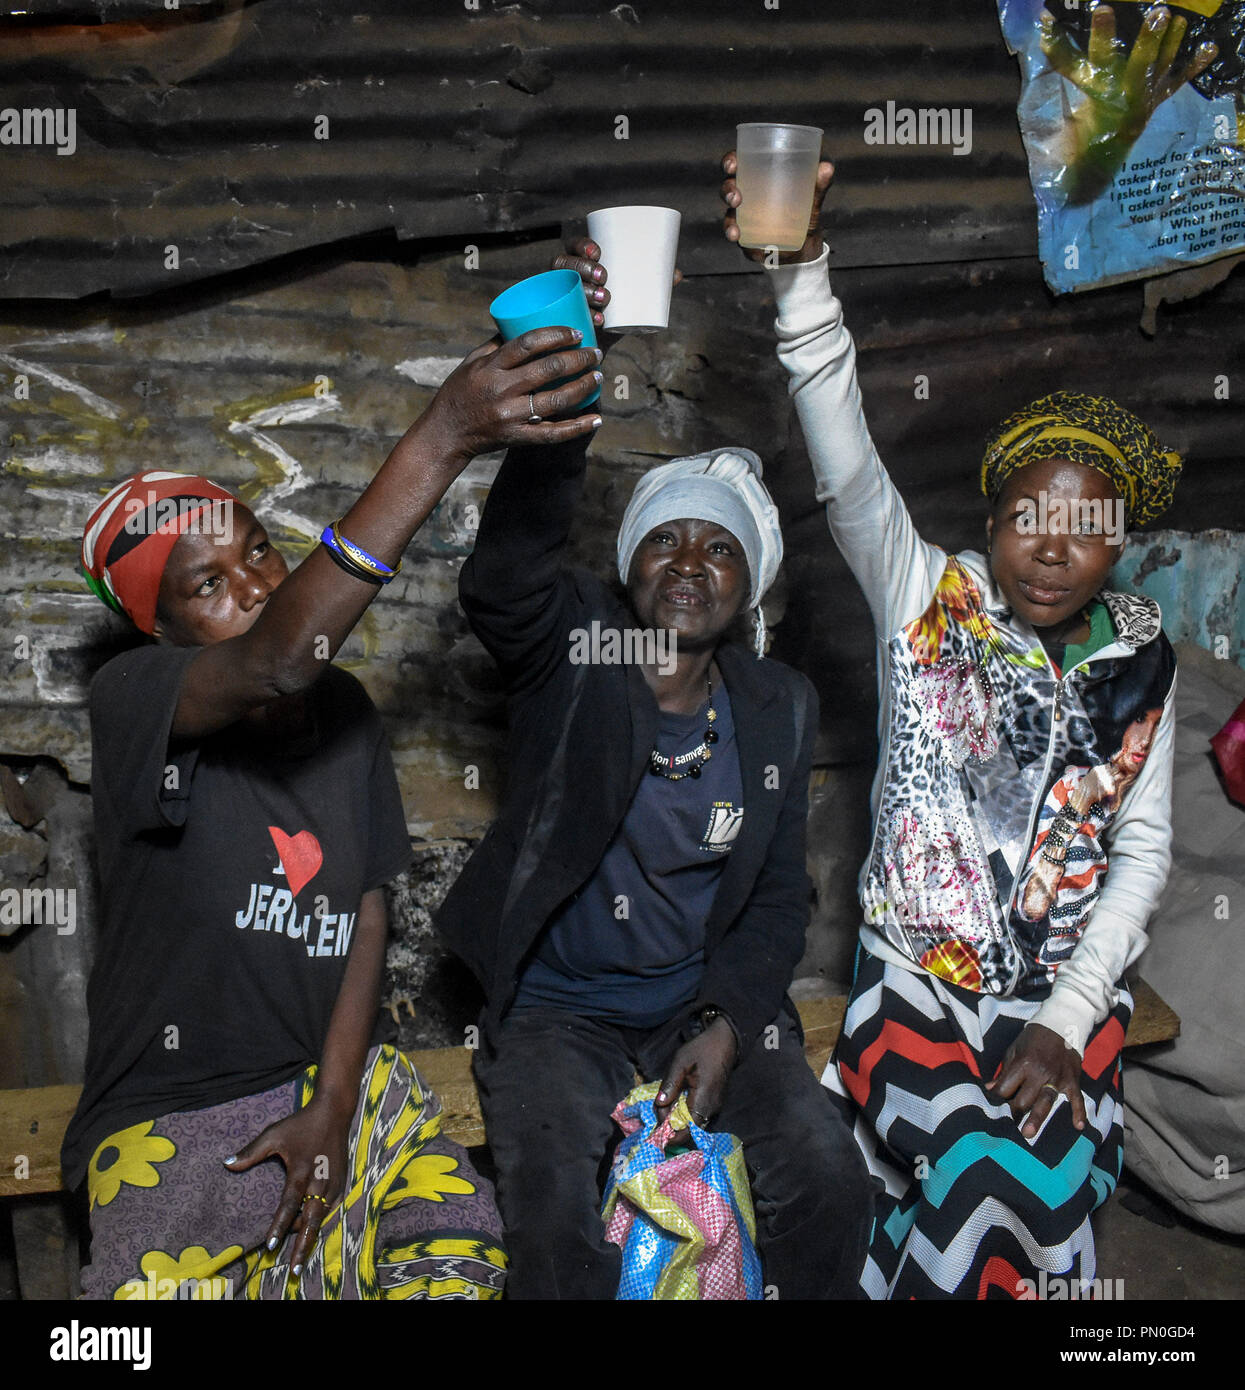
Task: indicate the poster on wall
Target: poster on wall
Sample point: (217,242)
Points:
(1133,119)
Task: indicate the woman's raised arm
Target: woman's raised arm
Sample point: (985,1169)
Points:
(304,618)
(897,570)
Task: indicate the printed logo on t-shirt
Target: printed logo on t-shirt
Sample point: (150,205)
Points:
(272,907)
(298,857)
(725,818)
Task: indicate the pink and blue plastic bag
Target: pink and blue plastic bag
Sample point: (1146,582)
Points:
(683,1218)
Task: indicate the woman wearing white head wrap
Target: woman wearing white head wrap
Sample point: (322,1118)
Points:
(722,486)
(641,900)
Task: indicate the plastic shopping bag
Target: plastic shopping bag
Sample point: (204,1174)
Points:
(683,1218)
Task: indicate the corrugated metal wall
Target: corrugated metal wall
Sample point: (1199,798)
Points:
(198,128)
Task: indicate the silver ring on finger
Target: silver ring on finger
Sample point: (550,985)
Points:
(532,417)
(1047,1086)
(701,1120)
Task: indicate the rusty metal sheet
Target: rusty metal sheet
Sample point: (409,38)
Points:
(196,129)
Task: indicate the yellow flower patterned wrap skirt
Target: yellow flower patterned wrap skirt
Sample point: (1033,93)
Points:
(170,1221)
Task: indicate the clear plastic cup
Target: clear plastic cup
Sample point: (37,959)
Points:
(638,246)
(776,177)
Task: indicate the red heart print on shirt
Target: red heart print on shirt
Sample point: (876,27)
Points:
(300,856)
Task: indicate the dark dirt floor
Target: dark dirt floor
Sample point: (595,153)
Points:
(1146,1249)
(1159,1254)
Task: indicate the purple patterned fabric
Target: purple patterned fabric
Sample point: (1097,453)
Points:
(169,1220)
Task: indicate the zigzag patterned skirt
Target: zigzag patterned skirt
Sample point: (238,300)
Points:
(971,1209)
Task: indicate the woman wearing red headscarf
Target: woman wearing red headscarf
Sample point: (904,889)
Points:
(247,817)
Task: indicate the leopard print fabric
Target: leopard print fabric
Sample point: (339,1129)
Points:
(1095,432)
(973,753)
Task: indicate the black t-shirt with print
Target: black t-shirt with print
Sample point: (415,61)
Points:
(231,873)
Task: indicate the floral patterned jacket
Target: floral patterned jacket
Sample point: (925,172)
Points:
(1022,817)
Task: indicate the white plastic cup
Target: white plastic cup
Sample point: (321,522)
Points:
(638,247)
(776,177)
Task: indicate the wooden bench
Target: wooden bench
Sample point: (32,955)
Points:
(33,1121)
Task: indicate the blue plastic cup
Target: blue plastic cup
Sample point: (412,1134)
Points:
(553,299)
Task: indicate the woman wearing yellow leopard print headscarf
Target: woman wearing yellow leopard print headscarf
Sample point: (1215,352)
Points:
(982,1036)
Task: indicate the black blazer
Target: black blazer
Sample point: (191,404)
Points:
(580,739)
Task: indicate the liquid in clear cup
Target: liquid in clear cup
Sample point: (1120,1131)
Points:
(776,177)
(638,246)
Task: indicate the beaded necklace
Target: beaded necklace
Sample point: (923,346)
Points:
(661,765)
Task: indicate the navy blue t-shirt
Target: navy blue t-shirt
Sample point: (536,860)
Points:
(629,946)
